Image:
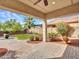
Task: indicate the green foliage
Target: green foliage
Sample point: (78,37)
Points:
(23,36)
(11,22)
(0,26)
(17,27)
(53,34)
(11,25)
(62,28)
(4,27)
(28,23)
(36,35)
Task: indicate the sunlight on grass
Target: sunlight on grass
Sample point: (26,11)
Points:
(23,36)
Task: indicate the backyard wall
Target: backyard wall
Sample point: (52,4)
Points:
(13,33)
(1,33)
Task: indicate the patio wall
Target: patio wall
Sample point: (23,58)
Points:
(13,33)
(76,32)
(1,33)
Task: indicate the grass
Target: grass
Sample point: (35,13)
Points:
(23,36)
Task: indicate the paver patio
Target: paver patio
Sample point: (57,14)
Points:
(41,50)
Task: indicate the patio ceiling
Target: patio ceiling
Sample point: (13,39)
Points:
(25,7)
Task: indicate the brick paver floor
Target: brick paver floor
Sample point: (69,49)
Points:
(41,50)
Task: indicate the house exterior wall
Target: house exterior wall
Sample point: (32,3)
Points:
(76,30)
(36,30)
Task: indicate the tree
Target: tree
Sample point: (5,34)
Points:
(11,25)
(8,25)
(17,27)
(28,23)
(64,29)
(11,22)
(0,26)
(4,27)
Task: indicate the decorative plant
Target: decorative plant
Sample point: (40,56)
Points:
(62,28)
(65,30)
(53,35)
(35,37)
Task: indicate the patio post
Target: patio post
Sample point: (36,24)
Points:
(78,18)
(45,31)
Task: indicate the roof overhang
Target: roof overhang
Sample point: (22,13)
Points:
(64,11)
(18,6)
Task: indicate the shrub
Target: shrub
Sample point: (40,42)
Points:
(52,34)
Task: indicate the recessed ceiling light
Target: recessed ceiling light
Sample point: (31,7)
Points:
(53,2)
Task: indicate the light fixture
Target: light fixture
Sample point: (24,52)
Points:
(53,2)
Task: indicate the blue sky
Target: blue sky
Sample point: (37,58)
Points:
(6,15)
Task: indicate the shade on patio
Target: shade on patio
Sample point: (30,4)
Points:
(27,7)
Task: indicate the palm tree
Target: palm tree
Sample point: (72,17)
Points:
(28,23)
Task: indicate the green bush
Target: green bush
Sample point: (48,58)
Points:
(36,37)
(52,34)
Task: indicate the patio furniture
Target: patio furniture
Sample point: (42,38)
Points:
(3,51)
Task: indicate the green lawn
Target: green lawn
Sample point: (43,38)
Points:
(23,36)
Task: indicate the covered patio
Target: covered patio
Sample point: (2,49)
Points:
(43,50)
(27,7)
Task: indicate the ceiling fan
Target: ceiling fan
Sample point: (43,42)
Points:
(45,2)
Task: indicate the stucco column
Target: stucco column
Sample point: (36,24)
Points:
(78,18)
(45,31)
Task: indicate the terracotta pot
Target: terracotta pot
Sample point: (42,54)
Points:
(3,51)
(66,39)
